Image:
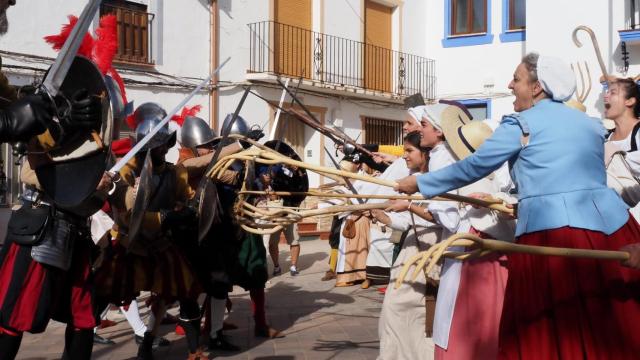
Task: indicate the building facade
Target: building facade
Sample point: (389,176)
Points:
(352,62)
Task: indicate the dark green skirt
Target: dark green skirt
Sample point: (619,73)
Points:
(251,268)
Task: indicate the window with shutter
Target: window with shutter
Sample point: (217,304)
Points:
(517,14)
(292,35)
(134,30)
(468,17)
(377,43)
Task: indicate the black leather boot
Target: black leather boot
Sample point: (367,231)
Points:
(145,350)
(9,346)
(81,345)
(220,343)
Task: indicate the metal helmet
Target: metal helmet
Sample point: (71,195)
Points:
(196,132)
(148,110)
(239,127)
(146,117)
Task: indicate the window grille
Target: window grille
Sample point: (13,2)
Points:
(382,131)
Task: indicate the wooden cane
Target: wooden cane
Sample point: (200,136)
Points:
(594,41)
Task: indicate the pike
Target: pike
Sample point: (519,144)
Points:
(272,136)
(125,159)
(313,122)
(58,72)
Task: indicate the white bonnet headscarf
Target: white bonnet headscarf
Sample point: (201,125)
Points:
(416,112)
(556,77)
(433,114)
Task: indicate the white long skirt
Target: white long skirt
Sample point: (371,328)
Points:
(401,327)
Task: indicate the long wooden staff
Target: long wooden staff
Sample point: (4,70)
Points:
(481,247)
(359,196)
(271,157)
(308,119)
(594,40)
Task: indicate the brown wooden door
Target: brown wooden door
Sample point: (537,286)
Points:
(377,52)
(292,38)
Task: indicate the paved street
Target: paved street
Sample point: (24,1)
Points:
(318,321)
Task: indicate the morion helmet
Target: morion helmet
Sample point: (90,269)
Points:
(196,132)
(146,117)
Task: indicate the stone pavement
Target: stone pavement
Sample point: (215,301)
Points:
(318,321)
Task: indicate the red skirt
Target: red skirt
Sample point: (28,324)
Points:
(564,308)
(32,293)
(476,316)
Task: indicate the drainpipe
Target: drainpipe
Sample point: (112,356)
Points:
(213,63)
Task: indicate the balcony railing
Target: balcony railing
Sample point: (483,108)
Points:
(632,18)
(288,50)
(135,32)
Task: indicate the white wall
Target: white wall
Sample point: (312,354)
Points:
(344,19)
(550,33)
(463,72)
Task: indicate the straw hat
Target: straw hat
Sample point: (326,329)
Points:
(573,103)
(465,138)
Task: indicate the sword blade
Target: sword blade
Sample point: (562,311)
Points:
(58,72)
(125,159)
(272,136)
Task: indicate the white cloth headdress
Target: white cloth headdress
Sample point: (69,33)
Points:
(556,77)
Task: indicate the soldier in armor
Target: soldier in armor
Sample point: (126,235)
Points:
(215,257)
(152,259)
(45,270)
(45,260)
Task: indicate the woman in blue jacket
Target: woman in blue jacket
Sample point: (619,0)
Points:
(556,308)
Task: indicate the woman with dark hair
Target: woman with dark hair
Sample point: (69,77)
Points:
(402,321)
(556,307)
(622,106)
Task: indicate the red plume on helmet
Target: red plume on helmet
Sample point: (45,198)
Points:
(100,49)
(186,111)
(57,41)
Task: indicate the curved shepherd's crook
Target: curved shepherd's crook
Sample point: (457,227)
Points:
(595,46)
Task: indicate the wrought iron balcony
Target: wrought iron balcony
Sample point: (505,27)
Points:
(632,18)
(282,49)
